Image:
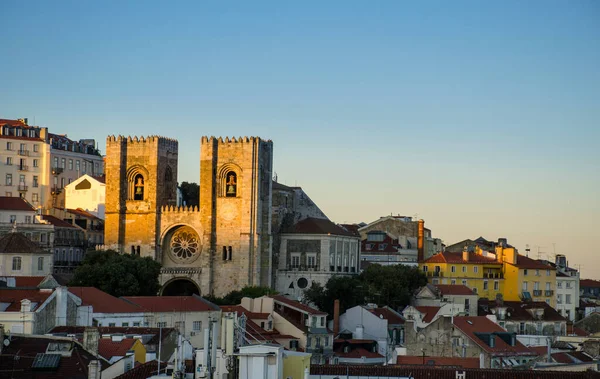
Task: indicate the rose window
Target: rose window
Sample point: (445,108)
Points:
(185,244)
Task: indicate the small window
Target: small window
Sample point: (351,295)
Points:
(136,324)
(547,272)
(464,268)
(36,148)
(112,324)
(197,326)
(125,324)
(296,261)
(453,268)
(525,272)
(9,161)
(40,263)
(16,264)
(485,285)
(475,269)
(496,285)
(162,324)
(13,218)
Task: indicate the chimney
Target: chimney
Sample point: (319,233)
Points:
(25,305)
(91,339)
(420,242)
(336,317)
(61,306)
(465,254)
(94,370)
(502,242)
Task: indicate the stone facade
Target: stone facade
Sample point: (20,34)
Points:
(222,245)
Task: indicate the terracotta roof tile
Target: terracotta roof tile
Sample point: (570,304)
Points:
(428,312)
(528,263)
(144,371)
(172,303)
(82,213)
(13,203)
(14,296)
(17,243)
(454,289)
(321,226)
(589,283)
(28,281)
(438,361)
(239,310)
(481,324)
(357,353)
(109,348)
(571,357)
(103,302)
(58,222)
(392,317)
(297,305)
(446,257)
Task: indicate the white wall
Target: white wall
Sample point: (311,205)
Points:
(91,200)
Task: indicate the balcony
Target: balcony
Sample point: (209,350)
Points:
(24,153)
(493,275)
(23,167)
(57,170)
(23,188)
(56,191)
(537,292)
(435,274)
(548,293)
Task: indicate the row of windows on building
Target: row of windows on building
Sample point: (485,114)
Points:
(476,270)
(311,262)
(486,285)
(78,165)
(319,341)
(22,166)
(10,146)
(559,299)
(17,263)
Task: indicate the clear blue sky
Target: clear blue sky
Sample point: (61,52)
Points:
(480,117)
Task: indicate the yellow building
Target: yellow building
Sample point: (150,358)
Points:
(527,278)
(473,269)
(295,363)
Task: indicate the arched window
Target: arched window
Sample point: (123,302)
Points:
(231,184)
(138,192)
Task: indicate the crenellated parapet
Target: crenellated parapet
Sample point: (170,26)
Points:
(231,140)
(162,142)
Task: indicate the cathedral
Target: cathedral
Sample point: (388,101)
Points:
(220,246)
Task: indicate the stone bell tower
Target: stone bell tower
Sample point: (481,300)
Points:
(141,177)
(235,207)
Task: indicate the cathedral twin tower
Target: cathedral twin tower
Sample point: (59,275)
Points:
(220,246)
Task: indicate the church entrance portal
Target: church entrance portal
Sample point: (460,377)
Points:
(180,287)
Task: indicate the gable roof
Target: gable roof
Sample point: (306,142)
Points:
(470,325)
(11,203)
(321,226)
(109,348)
(103,302)
(428,312)
(524,262)
(454,289)
(27,348)
(591,283)
(388,314)
(58,222)
(571,357)
(172,303)
(297,305)
(519,310)
(18,243)
(11,298)
(82,213)
(446,257)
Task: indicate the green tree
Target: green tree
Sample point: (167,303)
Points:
(118,274)
(190,193)
(382,285)
(235,297)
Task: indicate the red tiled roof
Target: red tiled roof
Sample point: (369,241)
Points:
(481,324)
(428,312)
(171,303)
(519,310)
(443,372)
(144,371)
(446,257)
(454,289)
(297,305)
(109,348)
(4,121)
(82,213)
(109,330)
(58,222)
(28,281)
(387,314)
(103,302)
(73,366)
(14,297)
(540,351)
(528,263)
(438,361)
(18,243)
(13,203)
(589,283)
(313,225)
(357,353)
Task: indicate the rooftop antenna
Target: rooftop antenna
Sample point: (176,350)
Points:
(527,250)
